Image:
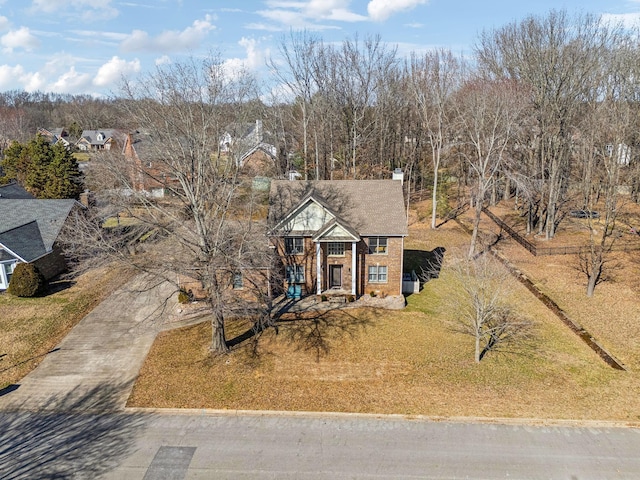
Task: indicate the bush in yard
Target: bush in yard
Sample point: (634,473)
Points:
(183,297)
(26,281)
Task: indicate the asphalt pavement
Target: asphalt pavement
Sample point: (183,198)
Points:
(154,446)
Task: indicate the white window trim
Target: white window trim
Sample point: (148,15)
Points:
(378,274)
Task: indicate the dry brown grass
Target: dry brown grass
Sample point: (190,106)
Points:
(409,362)
(31,327)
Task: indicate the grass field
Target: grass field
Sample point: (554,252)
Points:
(411,362)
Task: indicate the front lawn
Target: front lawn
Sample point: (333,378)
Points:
(379,361)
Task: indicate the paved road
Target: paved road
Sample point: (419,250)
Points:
(167,446)
(107,348)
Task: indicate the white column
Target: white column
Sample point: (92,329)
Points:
(354,273)
(318,268)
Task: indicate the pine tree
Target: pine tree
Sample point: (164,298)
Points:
(43,170)
(64,179)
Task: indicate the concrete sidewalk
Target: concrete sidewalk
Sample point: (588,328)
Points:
(95,366)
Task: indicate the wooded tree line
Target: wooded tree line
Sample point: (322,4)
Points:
(534,112)
(541,111)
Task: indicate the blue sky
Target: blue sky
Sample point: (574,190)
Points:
(85,46)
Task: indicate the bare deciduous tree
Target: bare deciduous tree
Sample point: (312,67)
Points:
(487,115)
(558,59)
(205,229)
(434,78)
(483,308)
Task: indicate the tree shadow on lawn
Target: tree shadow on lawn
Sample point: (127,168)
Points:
(318,331)
(68,443)
(309,329)
(56,286)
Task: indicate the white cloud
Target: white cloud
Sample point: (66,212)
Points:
(163,60)
(170,40)
(34,82)
(21,38)
(4,23)
(305,14)
(380,10)
(628,20)
(93,34)
(111,72)
(254,60)
(9,74)
(87,10)
(70,82)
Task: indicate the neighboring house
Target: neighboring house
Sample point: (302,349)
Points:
(55,136)
(251,148)
(105,139)
(29,230)
(343,237)
(147,175)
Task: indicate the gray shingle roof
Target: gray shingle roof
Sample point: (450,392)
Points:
(12,191)
(92,136)
(24,241)
(29,226)
(371,207)
(4,255)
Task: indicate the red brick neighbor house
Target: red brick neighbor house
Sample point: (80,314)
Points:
(340,237)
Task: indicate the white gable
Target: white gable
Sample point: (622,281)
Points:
(337,232)
(312,217)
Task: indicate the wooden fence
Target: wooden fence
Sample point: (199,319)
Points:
(566,250)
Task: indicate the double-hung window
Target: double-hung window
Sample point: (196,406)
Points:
(293,245)
(377,274)
(377,245)
(295,273)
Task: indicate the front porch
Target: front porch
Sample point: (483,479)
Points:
(339,300)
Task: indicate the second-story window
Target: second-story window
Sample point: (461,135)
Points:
(293,245)
(377,245)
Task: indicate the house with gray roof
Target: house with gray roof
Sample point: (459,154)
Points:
(339,237)
(55,136)
(253,149)
(104,139)
(29,231)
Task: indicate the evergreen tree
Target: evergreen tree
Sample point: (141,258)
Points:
(43,170)
(64,179)
(15,163)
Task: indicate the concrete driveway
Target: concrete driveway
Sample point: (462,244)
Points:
(95,366)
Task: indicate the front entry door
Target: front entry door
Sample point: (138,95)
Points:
(335,276)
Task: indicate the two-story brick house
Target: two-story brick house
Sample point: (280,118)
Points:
(343,237)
